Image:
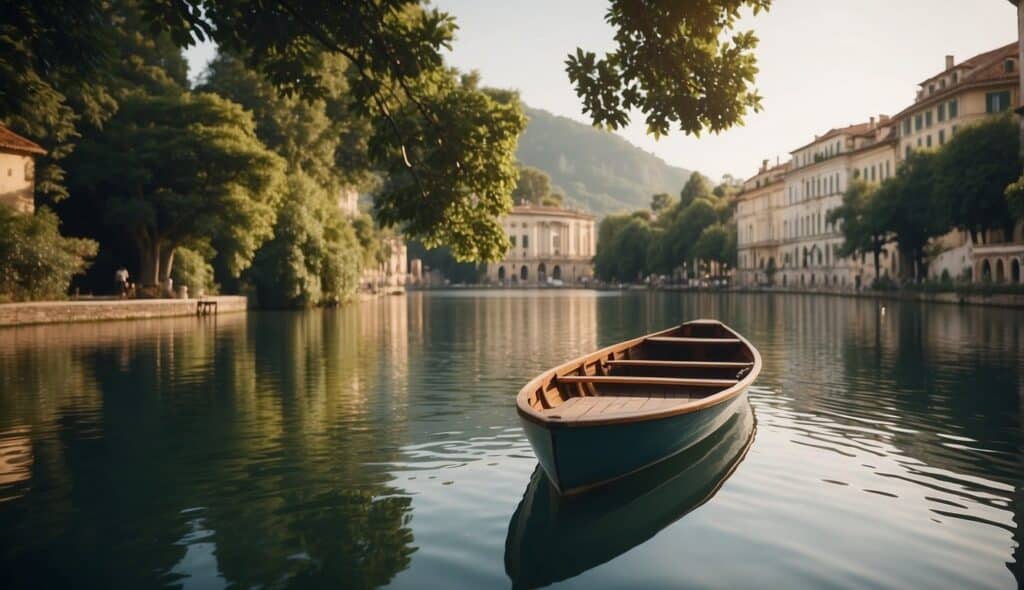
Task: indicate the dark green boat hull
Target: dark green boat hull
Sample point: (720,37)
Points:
(577,458)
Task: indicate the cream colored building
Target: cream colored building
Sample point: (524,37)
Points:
(961,94)
(391,275)
(819,174)
(548,244)
(759,208)
(17,171)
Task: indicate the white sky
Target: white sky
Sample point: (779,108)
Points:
(823,63)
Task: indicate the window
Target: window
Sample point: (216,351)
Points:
(526,241)
(942,83)
(906,152)
(906,127)
(513,239)
(887,172)
(928,118)
(952,131)
(942,136)
(872,173)
(997,102)
(929,142)
(956,77)
(953,108)
(918,120)
(931,89)
(918,142)
(941,114)
(1008,66)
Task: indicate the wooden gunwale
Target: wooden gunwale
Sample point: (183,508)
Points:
(541,382)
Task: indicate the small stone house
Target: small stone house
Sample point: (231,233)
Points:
(17,170)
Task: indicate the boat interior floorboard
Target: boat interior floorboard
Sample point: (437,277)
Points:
(603,405)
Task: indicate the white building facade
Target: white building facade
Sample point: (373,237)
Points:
(549,245)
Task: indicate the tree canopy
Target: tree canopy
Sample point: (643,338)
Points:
(532,186)
(681,64)
(862,222)
(169,169)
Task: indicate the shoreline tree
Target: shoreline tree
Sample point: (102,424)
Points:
(862,223)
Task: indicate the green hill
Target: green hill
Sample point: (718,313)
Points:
(596,170)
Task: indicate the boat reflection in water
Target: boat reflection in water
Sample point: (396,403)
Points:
(553,538)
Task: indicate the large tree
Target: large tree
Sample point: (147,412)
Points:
(972,172)
(531,188)
(174,168)
(681,64)
(862,222)
(905,204)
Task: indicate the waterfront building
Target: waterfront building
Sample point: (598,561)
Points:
(548,244)
(819,174)
(389,275)
(759,207)
(961,94)
(17,170)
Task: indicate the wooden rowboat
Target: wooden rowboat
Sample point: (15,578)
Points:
(553,538)
(613,412)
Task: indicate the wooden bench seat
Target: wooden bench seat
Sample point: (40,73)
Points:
(679,364)
(659,381)
(680,340)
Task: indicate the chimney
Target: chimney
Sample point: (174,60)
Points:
(872,122)
(764,164)
(949,61)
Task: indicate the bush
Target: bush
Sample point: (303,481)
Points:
(36,262)
(193,270)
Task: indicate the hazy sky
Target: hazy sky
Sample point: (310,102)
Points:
(823,63)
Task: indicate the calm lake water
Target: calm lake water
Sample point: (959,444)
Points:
(378,445)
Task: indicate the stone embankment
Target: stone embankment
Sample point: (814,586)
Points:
(88,310)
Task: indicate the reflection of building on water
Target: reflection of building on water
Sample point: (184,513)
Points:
(16,459)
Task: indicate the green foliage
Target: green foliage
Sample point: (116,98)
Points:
(314,257)
(661,202)
(465,186)
(622,248)
(532,187)
(679,63)
(192,269)
(170,169)
(1015,198)
(36,262)
(973,171)
(685,230)
(697,187)
(904,205)
(862,221)
(595,169)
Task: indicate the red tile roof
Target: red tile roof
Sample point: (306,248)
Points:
(11,141)
(856,129)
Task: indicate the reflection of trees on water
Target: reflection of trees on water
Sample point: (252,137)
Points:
(260,429)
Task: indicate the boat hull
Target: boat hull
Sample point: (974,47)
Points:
(579,457)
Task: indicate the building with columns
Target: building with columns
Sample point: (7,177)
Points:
(548,244)
(17,171)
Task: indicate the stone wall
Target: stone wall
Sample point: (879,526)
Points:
(49,312)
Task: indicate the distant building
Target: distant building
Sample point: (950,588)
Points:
(17,170)
(789,233)
(759,207)
(389,276)
(548,244)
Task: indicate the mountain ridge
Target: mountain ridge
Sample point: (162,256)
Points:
(595,169)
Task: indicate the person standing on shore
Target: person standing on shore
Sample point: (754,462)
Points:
(121,281)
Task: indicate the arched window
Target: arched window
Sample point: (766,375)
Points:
(524,273)
(1000,271)
(542,272)
(1015,271)
(556,273)
(986,271)
(501,273)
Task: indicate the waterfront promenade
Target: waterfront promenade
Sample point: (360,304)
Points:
(51,312)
